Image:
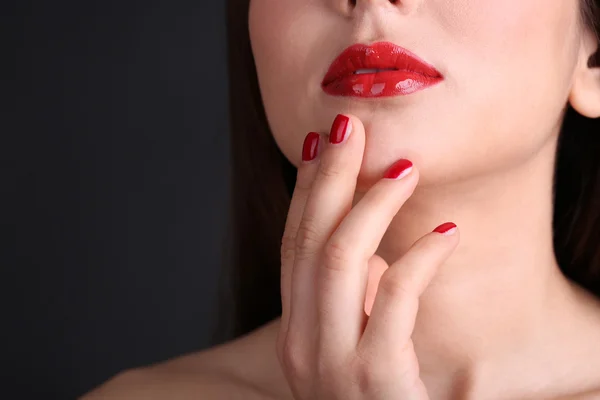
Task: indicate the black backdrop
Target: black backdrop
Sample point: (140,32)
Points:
(114,163)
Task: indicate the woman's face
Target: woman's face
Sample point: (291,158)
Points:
(508,69)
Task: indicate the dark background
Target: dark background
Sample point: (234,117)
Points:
(113,122)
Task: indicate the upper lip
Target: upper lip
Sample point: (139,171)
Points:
(380,55)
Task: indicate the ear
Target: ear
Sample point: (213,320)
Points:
(585,91)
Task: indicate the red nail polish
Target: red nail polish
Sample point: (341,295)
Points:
(339,129)
(447,228)
(399,170)
(310,147)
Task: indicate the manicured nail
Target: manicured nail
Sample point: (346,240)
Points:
(399,170)
(340,129)
(310,148)
(447,228)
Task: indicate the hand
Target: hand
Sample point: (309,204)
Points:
(327,345)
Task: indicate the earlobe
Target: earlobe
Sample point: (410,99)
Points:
(585,91)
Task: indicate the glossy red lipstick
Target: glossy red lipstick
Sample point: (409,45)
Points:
(380,70)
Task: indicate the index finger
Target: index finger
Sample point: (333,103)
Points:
(304,180)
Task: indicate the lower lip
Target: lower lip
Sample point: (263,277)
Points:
(380,84)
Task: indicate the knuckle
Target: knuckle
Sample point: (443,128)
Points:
(294,360)
(394,285)
(370,372)
(288,247)
(337,254)
(307,238)
(368,375)
(366,380)
(330,168)
(303,183)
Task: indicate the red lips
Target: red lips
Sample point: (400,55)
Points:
(399,72)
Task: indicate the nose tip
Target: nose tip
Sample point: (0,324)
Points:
(375,4)
(372,16)
(353,2)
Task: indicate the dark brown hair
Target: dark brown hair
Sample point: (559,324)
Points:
(262,181)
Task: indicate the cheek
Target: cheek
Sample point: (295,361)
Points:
(522,49)
(510,66)
(280,39)
(505,29)
(284,35)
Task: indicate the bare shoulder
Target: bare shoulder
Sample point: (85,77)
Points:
(245,369)
(158,383)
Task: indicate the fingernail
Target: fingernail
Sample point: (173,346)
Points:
(446,229)
(310,148)
(340,129)
(399,170)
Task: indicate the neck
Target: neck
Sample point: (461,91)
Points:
(497,288)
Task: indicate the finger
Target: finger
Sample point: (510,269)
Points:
(343,275)
(377,266)
(394,312)
(328,203)
(307,170)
